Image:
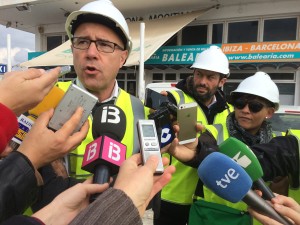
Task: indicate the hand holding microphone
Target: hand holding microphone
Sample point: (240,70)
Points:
(104,155)
(231,182)
(286,206)
(244,156)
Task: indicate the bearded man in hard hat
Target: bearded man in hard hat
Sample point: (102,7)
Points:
(211,70)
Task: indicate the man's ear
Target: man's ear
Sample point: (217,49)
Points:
(222,82)
(123,58)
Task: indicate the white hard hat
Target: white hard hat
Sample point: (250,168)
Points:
(260,84)
(212,59)
(107,10)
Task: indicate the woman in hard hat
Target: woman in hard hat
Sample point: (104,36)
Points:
(255,100)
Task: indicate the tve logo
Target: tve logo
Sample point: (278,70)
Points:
(228,177)
(3,68)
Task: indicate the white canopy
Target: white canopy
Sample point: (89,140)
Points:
(157,32)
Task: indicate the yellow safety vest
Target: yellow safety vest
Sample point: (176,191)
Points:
(295,193)
(181,188)
(133,109)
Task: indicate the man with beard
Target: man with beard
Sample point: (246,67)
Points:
(211,70)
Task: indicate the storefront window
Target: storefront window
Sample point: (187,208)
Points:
(170,77)
(194,35)
(53,42)
(280,29)
(239,32)
(217,33)
(171,41)
(157,77)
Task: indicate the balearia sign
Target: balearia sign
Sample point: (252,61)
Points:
(236,53)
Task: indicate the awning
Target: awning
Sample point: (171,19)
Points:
(157,32)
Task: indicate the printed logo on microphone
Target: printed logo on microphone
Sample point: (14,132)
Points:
(25,125)
(228,177)
(92,152)
(113,151)
(110,114)
(243,161)
(166,136)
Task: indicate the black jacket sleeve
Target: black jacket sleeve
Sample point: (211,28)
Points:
(279,157)
(18,188)
(24,220)
(206,145)
(53,186)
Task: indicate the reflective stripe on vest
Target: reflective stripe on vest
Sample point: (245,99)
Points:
(181,188)
(133,109)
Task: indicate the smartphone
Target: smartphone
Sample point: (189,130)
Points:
(149,142)
(187,120)
(72,99)
(154,99)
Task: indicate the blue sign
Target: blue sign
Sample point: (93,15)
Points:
(185,54)
(3,68)
(32,55)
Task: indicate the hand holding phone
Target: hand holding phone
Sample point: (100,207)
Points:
(154,99)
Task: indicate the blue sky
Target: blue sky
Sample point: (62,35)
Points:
(21,43)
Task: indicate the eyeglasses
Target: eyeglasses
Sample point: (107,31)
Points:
(101,45)
(254,106)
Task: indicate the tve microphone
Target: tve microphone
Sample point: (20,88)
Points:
(104,155)
(231,182)
(244,156)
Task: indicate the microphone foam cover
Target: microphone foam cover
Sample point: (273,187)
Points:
(225,177)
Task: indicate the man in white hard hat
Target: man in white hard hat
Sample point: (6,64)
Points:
(101,44)
(211,70)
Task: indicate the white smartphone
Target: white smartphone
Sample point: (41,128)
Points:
(72,99)
(187,121)
(149,142)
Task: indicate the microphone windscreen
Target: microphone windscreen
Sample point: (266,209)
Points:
(51,100)
(224,177)
(109,120)
(243,155)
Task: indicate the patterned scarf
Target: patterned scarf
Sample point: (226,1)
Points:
(264,134)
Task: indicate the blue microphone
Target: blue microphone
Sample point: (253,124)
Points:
(231,182)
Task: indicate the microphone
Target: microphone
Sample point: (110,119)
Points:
(104,155)
(51,100)
(231,182)
(243,155)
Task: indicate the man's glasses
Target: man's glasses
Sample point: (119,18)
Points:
(254,106)
(101,45)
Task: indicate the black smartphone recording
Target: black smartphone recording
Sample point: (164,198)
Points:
(154,99)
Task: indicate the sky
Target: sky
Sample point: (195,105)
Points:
(21,43)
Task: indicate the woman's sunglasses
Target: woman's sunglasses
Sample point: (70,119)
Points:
(254,106)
